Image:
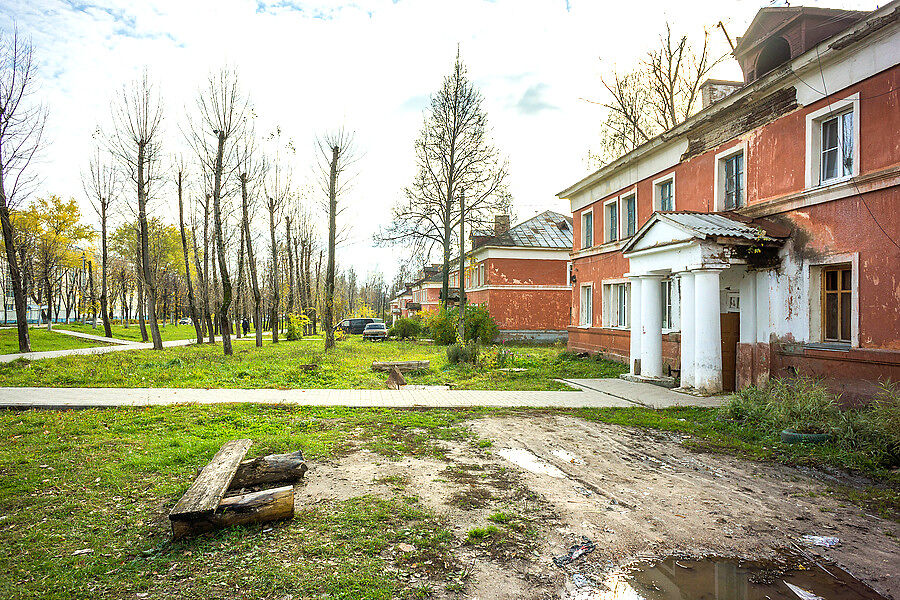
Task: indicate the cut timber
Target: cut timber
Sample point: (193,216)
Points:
(256,507)
(404,366)
(269,469)
(204,496)
(395,379)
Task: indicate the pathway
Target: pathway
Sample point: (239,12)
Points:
(22,398)
(643,394)
(121,345)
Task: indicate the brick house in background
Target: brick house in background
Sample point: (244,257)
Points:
(520,275)
(759,238)
(426,291)
(399,304)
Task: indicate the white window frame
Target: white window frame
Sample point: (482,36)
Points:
(623,214)
(607,222)
(814,122)
(569,273)
(482,274)
(611,314)
(675,301)
(721,157)
(585,317)
(585,243)
(814,276)
(657,198)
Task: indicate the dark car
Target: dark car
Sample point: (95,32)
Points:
(375,332)
(356,325)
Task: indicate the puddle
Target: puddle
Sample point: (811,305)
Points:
(714,579)
(530,462)
(567,457)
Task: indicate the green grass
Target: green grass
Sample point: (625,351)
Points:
(133,331)
(105,480)
(42,340)
(278,366)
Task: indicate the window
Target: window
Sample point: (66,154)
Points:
(734,181)
(568,273)
(832,142)
(667,322)
(837,147)
(630,215)
(587,229)
(611,212)
(586,308)
(482,280)
(836,304)
(664,193)
(616,307)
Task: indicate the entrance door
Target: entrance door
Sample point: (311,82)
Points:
(731,325)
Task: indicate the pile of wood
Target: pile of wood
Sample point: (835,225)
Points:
(226,492)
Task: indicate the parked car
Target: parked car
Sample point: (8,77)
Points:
(375,332)
(185,321)
(356,325)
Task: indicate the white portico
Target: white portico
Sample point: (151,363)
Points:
(686,269)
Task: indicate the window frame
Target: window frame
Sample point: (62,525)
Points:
(610,221)
(719,192)
(585,243)
(844,271)
(582,313)
(814,122)
(615,315)
(624,199)
(657,192)
(816,276)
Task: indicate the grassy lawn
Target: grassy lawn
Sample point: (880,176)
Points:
(41,340)
(278,366)
(103,481)
(133,332)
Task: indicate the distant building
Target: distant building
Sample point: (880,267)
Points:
(759,238)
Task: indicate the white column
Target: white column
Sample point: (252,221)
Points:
(707,331)
(687,329)
(635,324)
(748,308)
(651,326)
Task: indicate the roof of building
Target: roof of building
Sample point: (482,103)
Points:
(770,18)
(547,230)
(716,225)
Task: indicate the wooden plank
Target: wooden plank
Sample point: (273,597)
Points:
(404,366)
(269,469)
(256,507)
(205,494)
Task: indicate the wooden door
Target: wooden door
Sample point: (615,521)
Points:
(731,325)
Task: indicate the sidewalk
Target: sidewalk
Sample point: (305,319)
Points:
(643,394)
(121,345)
(60,398)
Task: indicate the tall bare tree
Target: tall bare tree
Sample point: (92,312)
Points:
(22,122)
(192,305)
(454,153)
(251,170)
(101,186)
(135,142)
(337,154)
(222,111)
(661,92)
(277,192)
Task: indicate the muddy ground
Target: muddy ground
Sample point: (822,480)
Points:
(638,494)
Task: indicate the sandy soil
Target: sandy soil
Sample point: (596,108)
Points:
(638,494)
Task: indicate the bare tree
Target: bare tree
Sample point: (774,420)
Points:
(277,192)
(137,127)
(454,153)
(660,93)
(336,155)
(192,305)
(222,109)
(101,186)
(22,123)
(250,171)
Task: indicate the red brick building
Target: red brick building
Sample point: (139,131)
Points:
(760,237)
(521,276)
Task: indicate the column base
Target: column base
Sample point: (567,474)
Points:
(663,381)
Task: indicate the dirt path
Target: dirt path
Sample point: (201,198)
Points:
(638,494)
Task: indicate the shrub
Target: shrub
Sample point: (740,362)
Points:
(495,357)
(442,327)
(459,353)
(406,329)
(480,326)
(295,326)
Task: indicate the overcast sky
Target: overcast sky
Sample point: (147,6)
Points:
(369,66)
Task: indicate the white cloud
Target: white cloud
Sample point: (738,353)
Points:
(367,65)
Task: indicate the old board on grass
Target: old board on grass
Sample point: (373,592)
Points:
(206,493)
(404,366)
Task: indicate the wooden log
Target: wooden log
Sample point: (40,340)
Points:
(256,507)
(404,366)
(207,491)
(270,469)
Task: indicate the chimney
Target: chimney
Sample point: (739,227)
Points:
(501,224)
(713,90)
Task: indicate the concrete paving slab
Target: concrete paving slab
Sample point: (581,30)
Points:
(644,394)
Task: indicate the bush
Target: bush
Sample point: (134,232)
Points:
(295,326)
(405,329)
(480,326)
(496,357)
(459,354)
